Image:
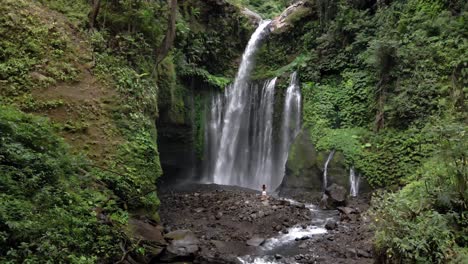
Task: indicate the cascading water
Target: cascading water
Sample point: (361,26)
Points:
(291,119)
(354,180)
(325,169)
(239,129)
(233,152)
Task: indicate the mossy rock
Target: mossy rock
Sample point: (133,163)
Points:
(303,170)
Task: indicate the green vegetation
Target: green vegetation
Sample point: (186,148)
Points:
(267,9)
(34,50)
(384,83)
(50,205)
(103,94)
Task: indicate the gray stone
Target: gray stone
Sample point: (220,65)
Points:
(219,215)
(255,241)
(347,210)
(337,196)
(331,225)
(183,245)
(261,214)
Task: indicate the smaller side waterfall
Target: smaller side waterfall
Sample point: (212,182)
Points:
(325,169)
(291,123)
(354,180)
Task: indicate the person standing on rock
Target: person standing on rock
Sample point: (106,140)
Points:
(264,194)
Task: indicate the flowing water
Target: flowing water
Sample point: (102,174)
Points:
(239,135)
(284,244)
(325,169)
(354,180)
(291,119)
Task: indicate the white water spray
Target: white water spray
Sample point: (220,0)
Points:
(232,145)
(325,169)
(354,180)
(291,119)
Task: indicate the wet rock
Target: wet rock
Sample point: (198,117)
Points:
(278,228)
(261,214)
(323,202)
(337,196)
(199,210)
(151,236)
(219,215)
(183,246)
(363,254)
(300,206)
(303,245)
(255,241)
(331,225)
(346,210)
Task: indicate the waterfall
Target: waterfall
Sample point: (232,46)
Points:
(325,169)
(213,126)
(237,144)
(291,119)
(239,127)
(354,181)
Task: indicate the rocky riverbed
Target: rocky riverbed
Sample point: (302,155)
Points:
(219,224)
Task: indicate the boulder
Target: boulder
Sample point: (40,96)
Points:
(182,247)
(255,241)
(348,213)
(337,196)
(219,215)
(303,168)
(151,237)
(331,225)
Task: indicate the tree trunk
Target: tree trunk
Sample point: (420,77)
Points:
(379,116)
(168,41)
(94,13)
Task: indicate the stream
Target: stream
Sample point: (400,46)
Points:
(275,248)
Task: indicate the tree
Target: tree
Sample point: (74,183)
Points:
(93,14)
(168,40)
(385,61)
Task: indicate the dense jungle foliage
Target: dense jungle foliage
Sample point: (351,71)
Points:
(383,82)
(72,204)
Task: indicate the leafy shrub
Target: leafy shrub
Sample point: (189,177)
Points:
(426,222)
(33,51)
(47,204)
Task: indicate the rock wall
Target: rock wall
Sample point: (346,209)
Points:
(305,167)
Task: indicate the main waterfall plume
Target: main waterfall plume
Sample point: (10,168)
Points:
(240,141)
(236,112)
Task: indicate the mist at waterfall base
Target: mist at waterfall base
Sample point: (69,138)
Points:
(244,144)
